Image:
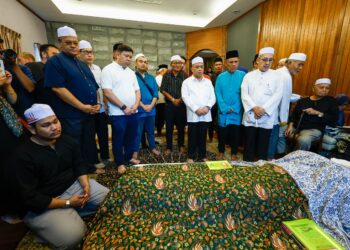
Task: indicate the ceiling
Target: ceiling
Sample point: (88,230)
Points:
(174,15)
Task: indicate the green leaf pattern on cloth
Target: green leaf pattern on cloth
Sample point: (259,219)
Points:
(186,206)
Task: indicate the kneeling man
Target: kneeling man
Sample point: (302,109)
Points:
(52,181)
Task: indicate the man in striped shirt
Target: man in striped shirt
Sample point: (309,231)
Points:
(175,109)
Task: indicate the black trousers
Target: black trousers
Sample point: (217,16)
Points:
(197,135)
(83,131)
(175,116)
(213,123)
(256,141)
(160,117)
(229,135)
(101,126)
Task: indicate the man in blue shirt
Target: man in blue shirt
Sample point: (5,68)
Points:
(146,110)
(76,100)
(230,110)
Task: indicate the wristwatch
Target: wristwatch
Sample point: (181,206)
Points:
(67,203)
(123,107)
(320,114)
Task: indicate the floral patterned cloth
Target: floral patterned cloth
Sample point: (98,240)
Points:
(327,187)
(187,206)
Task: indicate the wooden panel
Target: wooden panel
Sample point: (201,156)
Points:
(214,39)
(321,29)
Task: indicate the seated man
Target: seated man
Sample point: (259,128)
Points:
(51,177)
(312,114)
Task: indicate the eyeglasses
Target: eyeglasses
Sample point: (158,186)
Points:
(266,60)
(71,43)
(87,52)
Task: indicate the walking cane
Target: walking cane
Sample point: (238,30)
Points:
(297,129)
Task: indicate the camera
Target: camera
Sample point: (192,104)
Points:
(8,54)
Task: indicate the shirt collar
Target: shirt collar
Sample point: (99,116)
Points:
(119,66)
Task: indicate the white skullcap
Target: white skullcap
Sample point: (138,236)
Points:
(66,31)
(323,81)
(84,45)
(282,60)
(38,112)
(139,55)
(197,59)
(267,50)
(297,57)
(175,58)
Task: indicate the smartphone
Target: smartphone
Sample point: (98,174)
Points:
(2,67)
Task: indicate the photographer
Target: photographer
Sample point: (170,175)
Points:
(22,82)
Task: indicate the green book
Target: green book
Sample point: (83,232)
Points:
(218,165)
(311,235)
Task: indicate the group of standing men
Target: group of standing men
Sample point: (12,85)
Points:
(258,100)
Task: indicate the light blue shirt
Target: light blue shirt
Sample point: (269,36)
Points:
(228,96)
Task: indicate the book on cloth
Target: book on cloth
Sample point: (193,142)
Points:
(310,235)
(218,165)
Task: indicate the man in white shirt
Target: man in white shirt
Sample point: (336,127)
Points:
(293,65)
(122,91)
(261,95)
(197,92)
(101,120)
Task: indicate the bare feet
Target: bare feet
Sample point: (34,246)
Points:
(234,158)
(182,150)
(220,156)
(156,152)
(121,169)
(190,160)
(134,161)
(100,171)
(100,165)
(167,152)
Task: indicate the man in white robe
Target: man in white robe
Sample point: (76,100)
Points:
(261,95)
(197,92)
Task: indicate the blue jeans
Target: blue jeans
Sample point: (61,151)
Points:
(271,152)
(124,131)
(147,124)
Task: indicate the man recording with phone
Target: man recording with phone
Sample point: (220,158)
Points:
(23,82)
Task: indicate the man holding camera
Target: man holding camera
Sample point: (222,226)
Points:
(23,82)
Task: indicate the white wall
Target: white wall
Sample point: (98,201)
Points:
(18,18)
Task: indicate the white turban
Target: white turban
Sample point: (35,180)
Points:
(175,58)
(38,112)
(66,31)
(139,55)
(267,50)
(323,81)
(297,57)
(197,59)
(84,45)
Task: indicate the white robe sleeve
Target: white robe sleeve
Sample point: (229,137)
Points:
(212,98)
(247,101)
(272,104)
(186,96)
(285,102)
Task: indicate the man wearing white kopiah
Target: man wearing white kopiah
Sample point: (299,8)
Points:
(51,178)
(293,65)
(197,92)
(261,94)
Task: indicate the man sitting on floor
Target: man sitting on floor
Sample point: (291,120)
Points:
(51,177)
(311,115)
